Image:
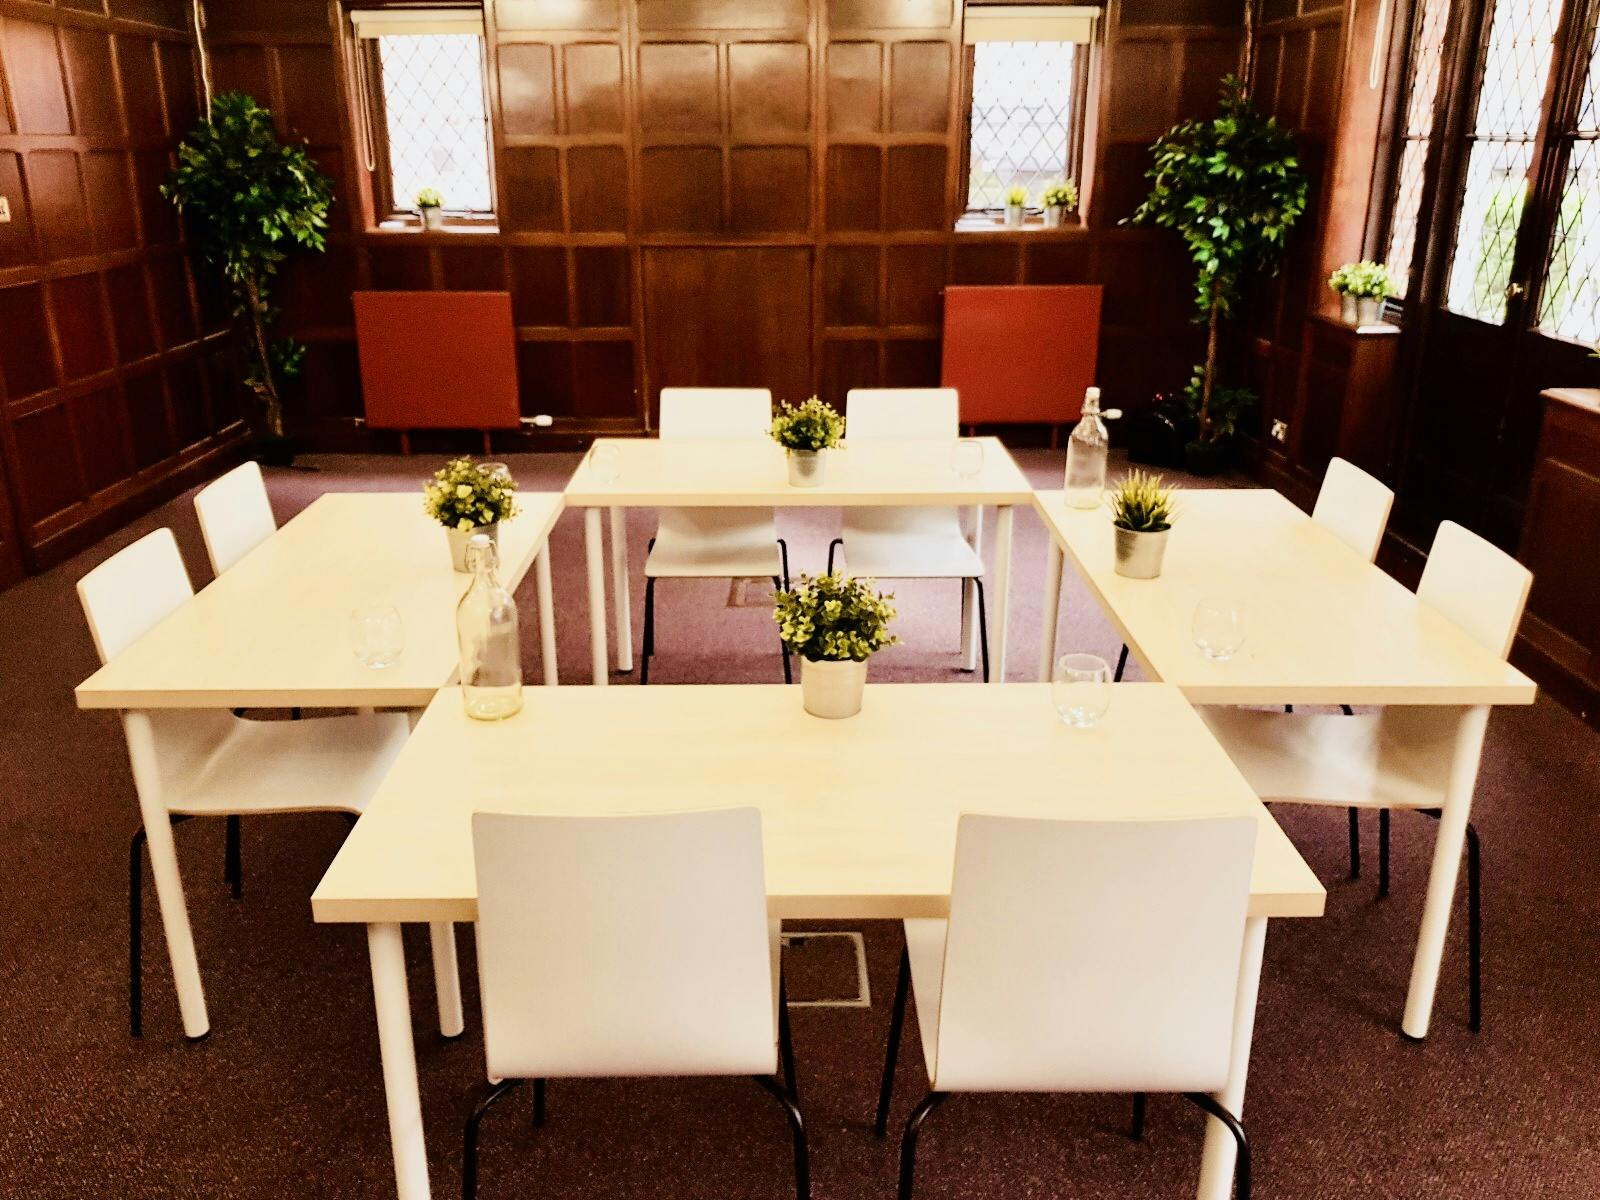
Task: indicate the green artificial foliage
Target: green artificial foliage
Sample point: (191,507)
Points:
(1229,405)
(814,425)
(1366,279)
(249,200)
(1142,503)
(1232,187)
(834,618)
(465,495)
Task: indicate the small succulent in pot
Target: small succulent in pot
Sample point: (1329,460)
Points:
(1362,288)
(1016,201)
(805,431)
(1142,508)
(834,623)
(466,498)
(1059,199)
(430,206)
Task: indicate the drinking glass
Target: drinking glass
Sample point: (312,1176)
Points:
(1219,626)
(497,469)
(966,456)
(1080,689)
(377,635)
(606,462)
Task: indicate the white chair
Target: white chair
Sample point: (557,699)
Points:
(235,515)
(1080,956)
(1410,757)
(191,763)
(627,947)
(713,543)
(921,542)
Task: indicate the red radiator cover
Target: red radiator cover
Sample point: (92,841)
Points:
(1021,354)
(438,360)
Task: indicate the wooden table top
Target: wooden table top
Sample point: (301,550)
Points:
(273,630)
(859,815)
(1324,627)
(691,472)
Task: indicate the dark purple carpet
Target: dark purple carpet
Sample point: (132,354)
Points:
(285,1099)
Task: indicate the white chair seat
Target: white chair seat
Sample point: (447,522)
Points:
(215,763)
(1397,759)
(908,543)
(715,543)
(925,938)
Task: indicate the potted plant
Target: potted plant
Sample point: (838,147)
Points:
(1016,200)
(1141,512)
(1059,199)
(805,432)
(1229,407)
(249,201)
(1232,188)
(430,207)
(834,623)
(467,498)
(1362,288)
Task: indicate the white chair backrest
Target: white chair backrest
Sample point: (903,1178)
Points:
(902,413)
(132,591)
(1093,956)
(624,946)
(235,515)
(1477,585)
(715,412)
(1354,507)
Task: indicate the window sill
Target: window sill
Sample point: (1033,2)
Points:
(984,222)
(452,225)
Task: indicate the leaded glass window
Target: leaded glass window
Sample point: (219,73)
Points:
(1022,119)
(435,119)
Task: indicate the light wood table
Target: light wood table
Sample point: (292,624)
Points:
(273,630)
(867,832)
(734,473)
(1324,626)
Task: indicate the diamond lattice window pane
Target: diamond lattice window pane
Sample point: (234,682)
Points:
(1570,307)
(1427,53)
(1021,119)
(1516,70)
(434,113)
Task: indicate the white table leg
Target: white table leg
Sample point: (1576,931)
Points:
(969,598)
(1442,878)
(595,556)
(1000,608)
(621,594)
(547,616)
(446,978)
(1050,613)
(393,1003)
(1217,1160)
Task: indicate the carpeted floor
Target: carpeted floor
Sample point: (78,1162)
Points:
(285,1098)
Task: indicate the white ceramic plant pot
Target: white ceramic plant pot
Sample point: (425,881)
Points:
(806,467)
(832,689)
(1013,216)
(1139,553)
(1369,310)
(1054,215)
(1348,312)
(458,539)
(432,218)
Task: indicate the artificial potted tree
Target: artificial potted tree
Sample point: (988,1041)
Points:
(1059,199)
(430,208)
(467,498)
(807,432)
(1362,288)
(1232,188)
(1016,201)
(834,623)
(1142,508)
(249,201)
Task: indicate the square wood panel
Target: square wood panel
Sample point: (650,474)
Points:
(889,14)
(58,205)
(593,87)
(110,194)
(94,88)
(771,189)
(605,286)
(916,188)
(311,107)
(130,313)
(919,88)
(850,285)
(678,88)
(602,378)
(722,14)
(180,85)
(539,285)
(916,285)
(854,187)
(46,479)
(141,93)
(570,14)
(597,183)
(33,77)
(147,418)
(531,196)
(846,365)
(770,88)
(100,428)
(78,315)
(855,87)
(544,379)
(25,359)
(682,189)
(527,88)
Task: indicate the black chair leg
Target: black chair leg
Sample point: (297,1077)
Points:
(788,671)
(1355,842)
(649,646)
(136,933)
(783,551)
(1474,933)
(897,1020)
(232,868)
(983,630)
(1383,853)
(791,1078)
(1122,662)
(1347,710)
(908,1142)
(538,1102)
(488,1094)
(832,546)
(797,1129)
(1241,1172)
(1137,1132)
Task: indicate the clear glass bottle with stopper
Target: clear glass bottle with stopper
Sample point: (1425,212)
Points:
(486,630)
(1086,453)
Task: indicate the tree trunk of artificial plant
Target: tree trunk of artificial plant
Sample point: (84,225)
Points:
(1209,382)
(265,387)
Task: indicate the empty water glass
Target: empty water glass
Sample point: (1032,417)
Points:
(377,635)
(606,462)
(1080,688)
(1219,626)
(966,456)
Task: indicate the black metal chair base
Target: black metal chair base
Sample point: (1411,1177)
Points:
(648,647)
(983,618)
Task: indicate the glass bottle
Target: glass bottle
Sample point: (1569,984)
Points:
(1086,453)
(486,629)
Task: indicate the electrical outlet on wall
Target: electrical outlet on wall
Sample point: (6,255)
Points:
(5,210)
(1280,431)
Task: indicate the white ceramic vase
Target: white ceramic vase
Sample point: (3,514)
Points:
(458,539)
(832,689)
(1139,552)
(806,467)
